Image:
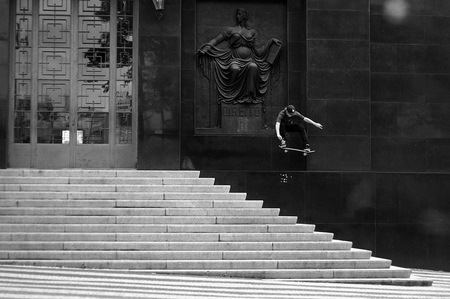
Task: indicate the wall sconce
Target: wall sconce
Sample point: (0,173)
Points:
(159,6)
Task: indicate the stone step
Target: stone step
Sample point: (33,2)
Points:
(253,264)
(85,255)
(316,275)
(174,246)
(148,267)
(99,173)
(159,228)
(15,180)
(168,237)
(292,274)
(149,220)
(9,195)
(90,211)
(114,188)
(132,203)
(279,264)
(275,237)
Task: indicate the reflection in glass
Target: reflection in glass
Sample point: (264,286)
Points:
(94,35)
(22,95)
(124,32)
(54,95)
(125,7)
(22,122)
(22,83)
(95,127)
(53,110)
(50,126)
(22,107)
(23,103)
(124,128)
(124,108)
(124,98)
(23,31)
(95,7)
(124,39)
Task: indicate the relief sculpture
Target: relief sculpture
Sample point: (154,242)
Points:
(239,70)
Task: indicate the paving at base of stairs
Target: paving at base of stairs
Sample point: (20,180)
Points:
(20,282)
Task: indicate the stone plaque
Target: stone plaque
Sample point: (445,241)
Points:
(241,118)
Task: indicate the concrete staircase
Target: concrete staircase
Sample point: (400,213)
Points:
(166,222)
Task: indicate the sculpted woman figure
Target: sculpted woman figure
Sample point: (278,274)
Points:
(239,70)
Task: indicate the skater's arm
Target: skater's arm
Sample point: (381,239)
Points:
(277,130)
(309,121)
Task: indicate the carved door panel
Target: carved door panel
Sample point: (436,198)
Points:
(72,90)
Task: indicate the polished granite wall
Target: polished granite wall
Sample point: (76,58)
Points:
(159,87)
(410,137)
(378,84)
(410,71)
(399,216)
(338,66)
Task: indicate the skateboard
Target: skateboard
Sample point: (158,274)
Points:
(305,153)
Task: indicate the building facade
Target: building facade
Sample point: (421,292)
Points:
(374,72)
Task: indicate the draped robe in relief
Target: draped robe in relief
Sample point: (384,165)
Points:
(253,78)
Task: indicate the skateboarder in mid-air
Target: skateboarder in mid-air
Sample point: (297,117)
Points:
(285,123)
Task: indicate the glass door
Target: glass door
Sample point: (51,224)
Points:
(73,85)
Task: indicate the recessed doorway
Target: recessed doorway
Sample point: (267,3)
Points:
(73,90)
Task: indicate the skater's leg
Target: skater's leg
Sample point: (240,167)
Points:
(301,129)
(304,137)
(283,135)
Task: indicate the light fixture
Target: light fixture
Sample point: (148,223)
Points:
(159,6)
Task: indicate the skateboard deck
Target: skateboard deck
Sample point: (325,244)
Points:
(286,149)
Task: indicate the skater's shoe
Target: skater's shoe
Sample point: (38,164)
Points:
(307,148)
(283,143)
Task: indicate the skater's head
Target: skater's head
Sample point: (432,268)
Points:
(290,109)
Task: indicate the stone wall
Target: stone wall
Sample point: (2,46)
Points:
(399,216)
(378,84)
(5,40)
(159,86)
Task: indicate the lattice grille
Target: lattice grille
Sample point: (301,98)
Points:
(54,31)
(75,62)
(93,96)
(94,7)
(54,63)
(22,94)
(24,6)
(57,92)
(54,6)
(23,63)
